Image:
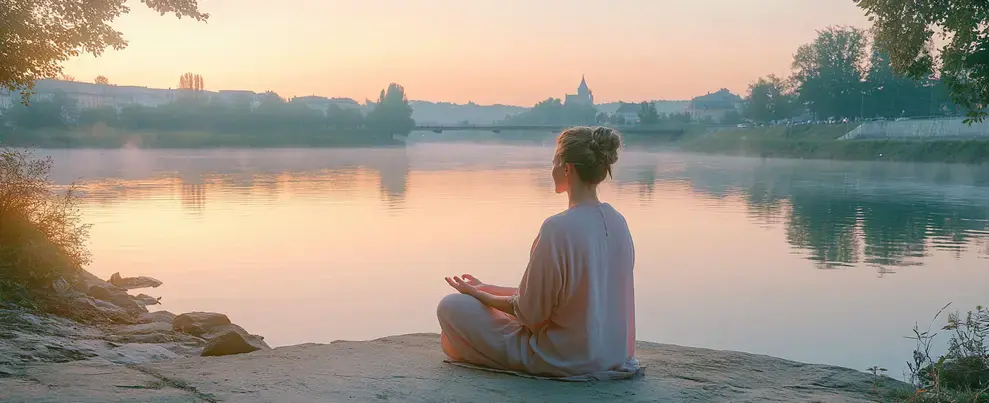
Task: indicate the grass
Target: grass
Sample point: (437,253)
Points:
(960,375)
(820,142)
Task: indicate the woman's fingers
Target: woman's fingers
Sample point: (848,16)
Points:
(457,283)
(472,280)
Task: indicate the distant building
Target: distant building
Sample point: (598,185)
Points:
(89,96)
(236,97)
(714,105)
(629,112)
(323,104)
(584,95)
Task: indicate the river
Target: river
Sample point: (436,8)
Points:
(816,261)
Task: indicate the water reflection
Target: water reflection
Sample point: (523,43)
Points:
(837,214)
(284,241)
(844,213)
(111,176)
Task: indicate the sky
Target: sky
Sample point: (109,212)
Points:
(514,52)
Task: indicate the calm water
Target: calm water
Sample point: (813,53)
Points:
(818,261)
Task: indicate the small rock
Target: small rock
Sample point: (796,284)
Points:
(229,342)
(198,323)
(254,339)
(132,283)
(145,300)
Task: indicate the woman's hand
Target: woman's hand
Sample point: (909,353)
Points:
(464,286)
(474,281)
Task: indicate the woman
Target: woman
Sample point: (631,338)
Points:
(573,314)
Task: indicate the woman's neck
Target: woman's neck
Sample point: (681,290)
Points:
(579,195)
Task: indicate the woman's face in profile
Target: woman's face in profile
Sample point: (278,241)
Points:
(561,175)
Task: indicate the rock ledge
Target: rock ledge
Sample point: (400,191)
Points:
(410,368)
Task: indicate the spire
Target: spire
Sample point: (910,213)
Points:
(583,84)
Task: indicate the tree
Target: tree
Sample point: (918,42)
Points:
(905,30)
(731,117)
(552,111)
(828,72)
(647,113)
(101,79)
(682,117)
(617,119)
(190,81)
(601,118)
(769,99)
(65,77)
(392,113)
(38,36)
(579,114)
(45,113)
(344,118)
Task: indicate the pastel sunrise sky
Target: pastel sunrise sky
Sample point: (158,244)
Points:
(487,51)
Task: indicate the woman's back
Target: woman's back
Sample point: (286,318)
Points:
(573,314)
(583,259)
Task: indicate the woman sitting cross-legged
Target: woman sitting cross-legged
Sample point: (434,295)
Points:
(573,314)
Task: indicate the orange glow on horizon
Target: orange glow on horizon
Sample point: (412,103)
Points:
(510,52)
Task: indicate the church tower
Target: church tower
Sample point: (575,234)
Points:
(584,94)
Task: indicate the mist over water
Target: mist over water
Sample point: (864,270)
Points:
(817,261)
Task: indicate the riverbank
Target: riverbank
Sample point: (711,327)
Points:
(799,142)
(103,345)
(111,138)
(821,142)
(410,368)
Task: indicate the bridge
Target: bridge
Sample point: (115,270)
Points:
(545,128)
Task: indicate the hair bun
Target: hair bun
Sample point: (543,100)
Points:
(605,143)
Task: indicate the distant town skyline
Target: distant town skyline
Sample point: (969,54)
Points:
(510,52)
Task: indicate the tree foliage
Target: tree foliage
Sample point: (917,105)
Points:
(41,235)
(101,79)
(553,111)
(190,81)
(38,36)
(828,71)
(906,31)
(647,113)
(770,98)
(392,113)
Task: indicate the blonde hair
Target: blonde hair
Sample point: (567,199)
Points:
(592,151)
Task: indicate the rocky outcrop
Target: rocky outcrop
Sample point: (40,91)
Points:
(231,341)
(116,296)
(133,283)
(199,323)
(88,299)
(222,337)
(145,300)
(410,368)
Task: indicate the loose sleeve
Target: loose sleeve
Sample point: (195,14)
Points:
(542,282)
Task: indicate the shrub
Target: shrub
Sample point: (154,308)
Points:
(41,236)
(960,375)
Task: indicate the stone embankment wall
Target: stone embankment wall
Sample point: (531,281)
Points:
(920,129)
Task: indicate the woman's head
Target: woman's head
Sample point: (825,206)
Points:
(584,156)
